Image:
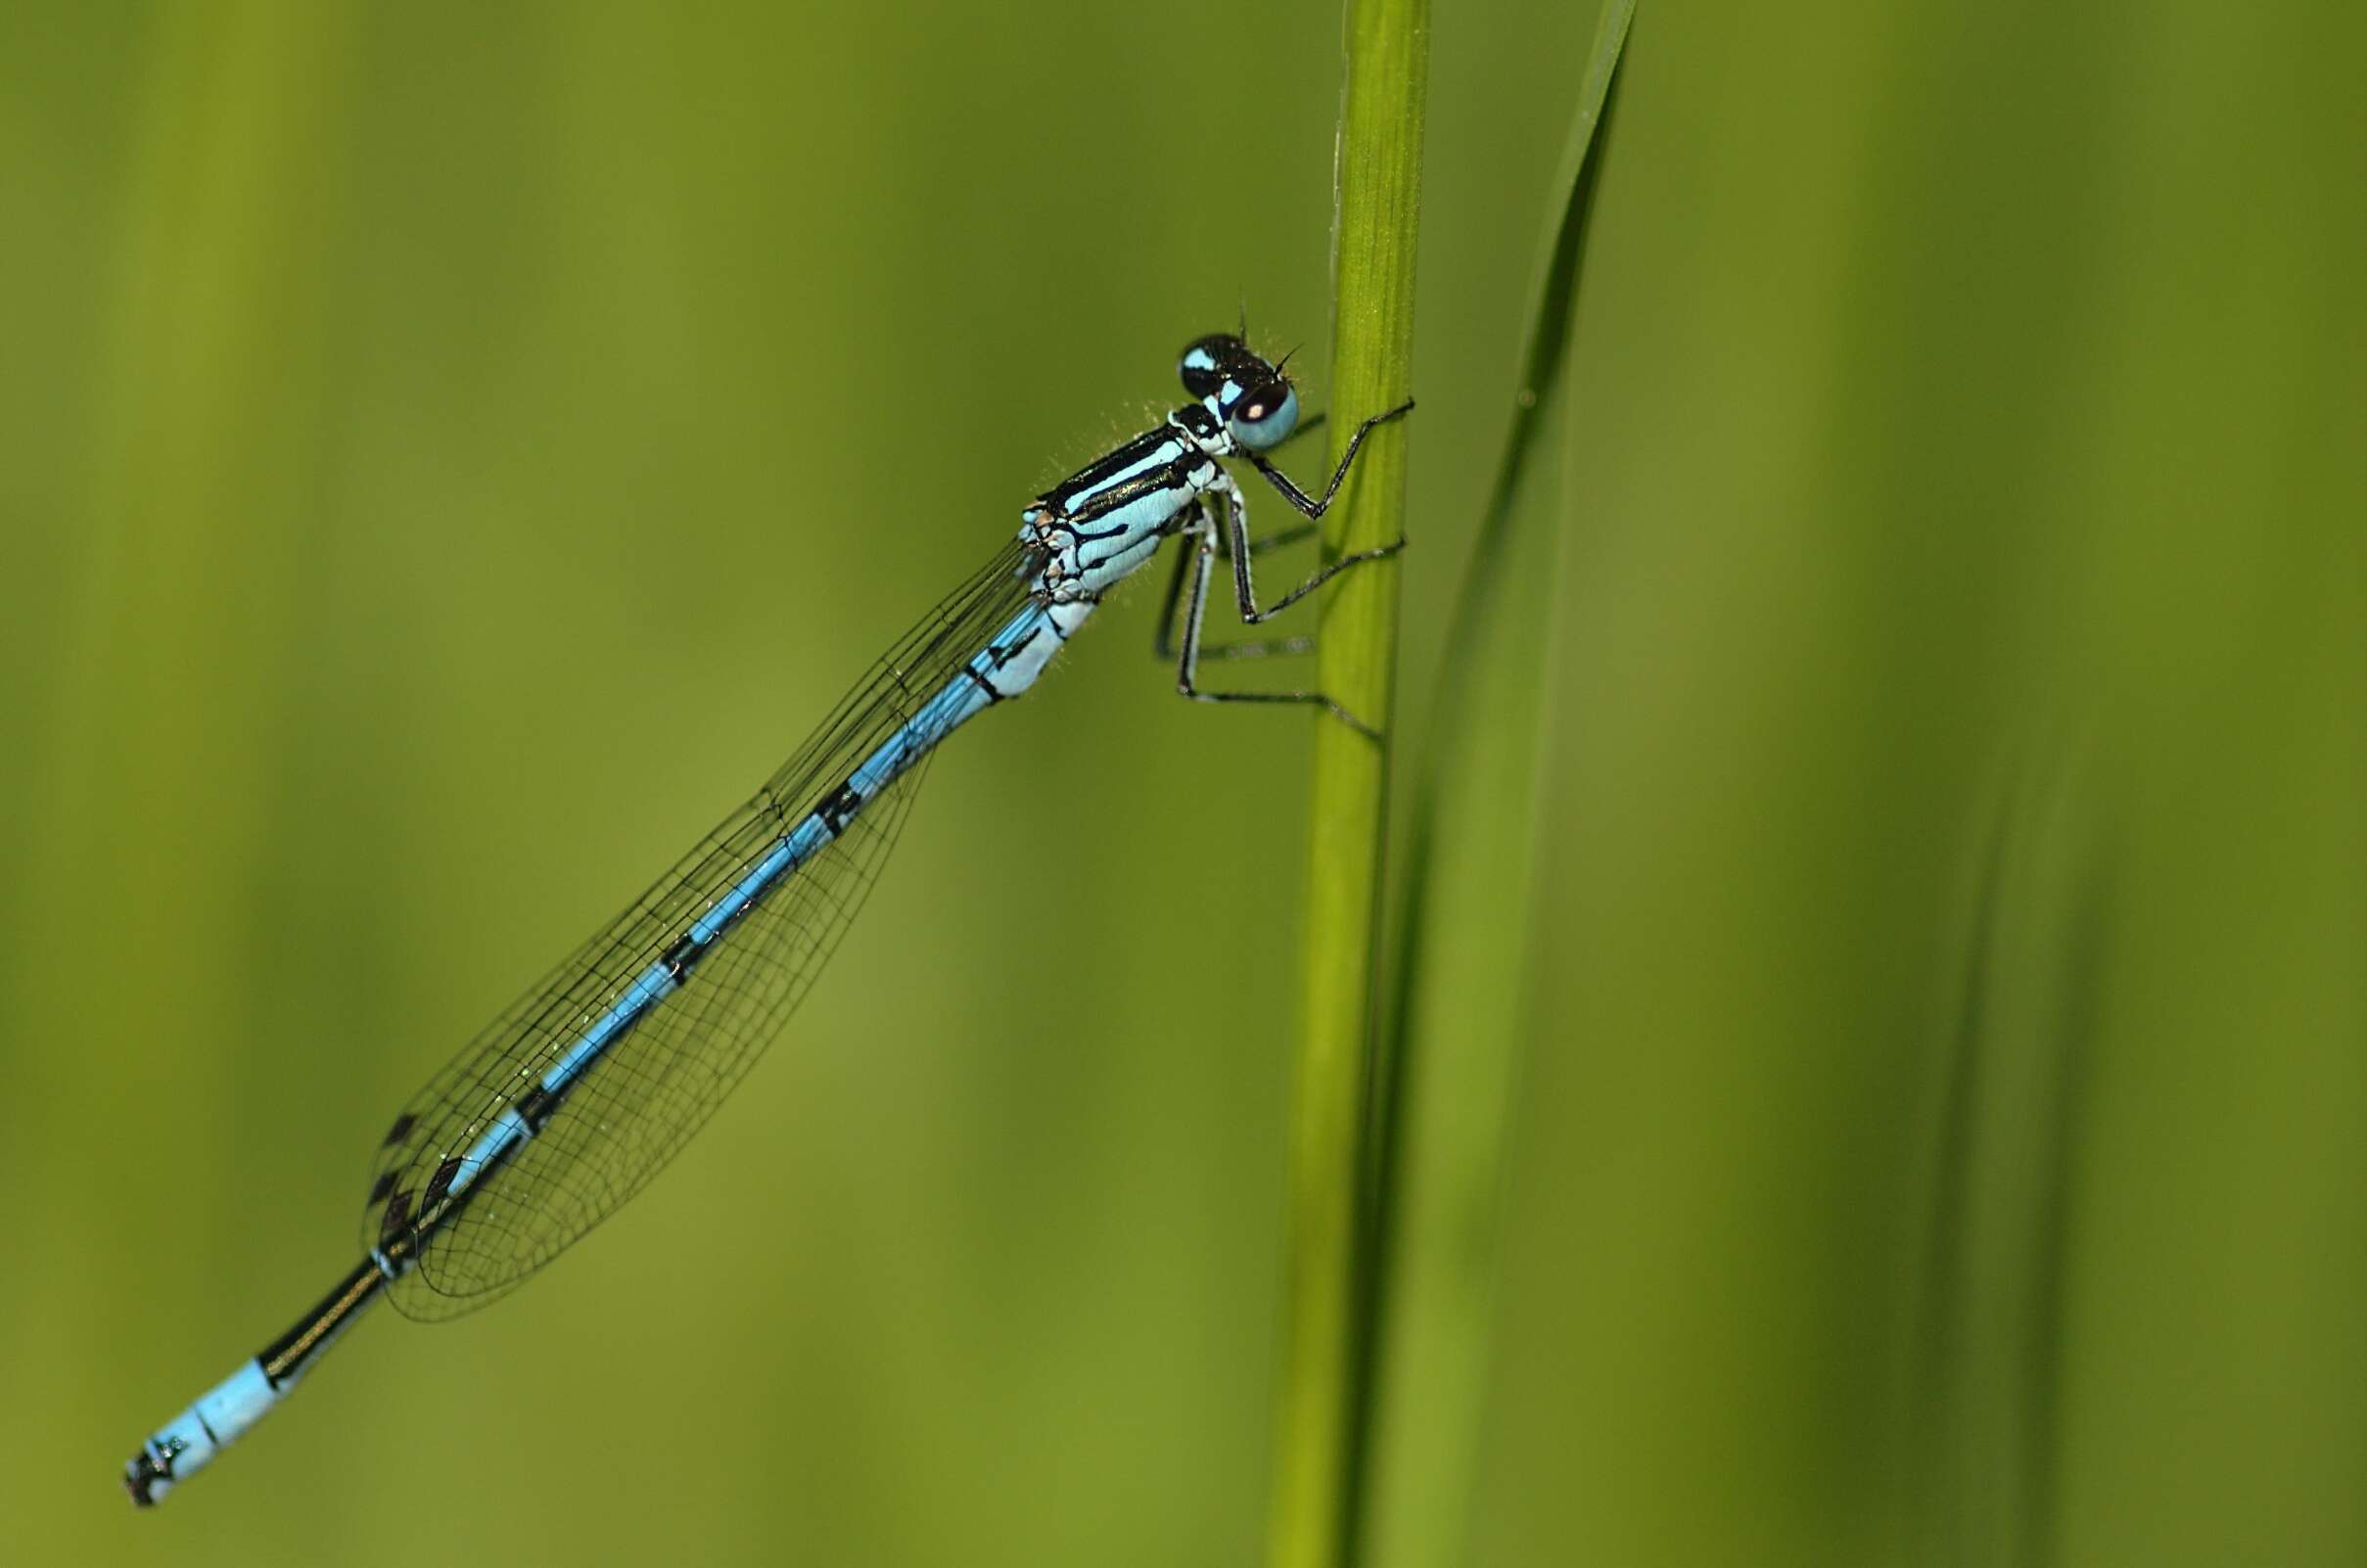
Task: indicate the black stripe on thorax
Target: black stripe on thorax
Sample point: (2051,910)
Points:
(1173,478)
(1079,498)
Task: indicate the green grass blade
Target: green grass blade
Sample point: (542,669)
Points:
(1460,1023)
(1379,193)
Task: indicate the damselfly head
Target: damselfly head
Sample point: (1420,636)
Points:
(1210,361)
(1255,399)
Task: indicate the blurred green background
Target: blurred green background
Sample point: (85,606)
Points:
(450,453)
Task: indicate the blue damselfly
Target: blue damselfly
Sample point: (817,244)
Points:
(581,1091)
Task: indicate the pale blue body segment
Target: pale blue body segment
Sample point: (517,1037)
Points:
(996,673)
(562,1108)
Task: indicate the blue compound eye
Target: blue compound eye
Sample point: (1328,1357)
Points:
(1266,417)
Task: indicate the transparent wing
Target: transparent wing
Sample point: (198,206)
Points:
(659,1078)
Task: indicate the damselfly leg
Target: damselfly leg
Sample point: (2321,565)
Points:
(1208,536)
(1202,534)
(1163,635)
(1238,522)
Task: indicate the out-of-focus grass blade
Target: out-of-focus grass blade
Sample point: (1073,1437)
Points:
(1459,1019)
(1984,1379)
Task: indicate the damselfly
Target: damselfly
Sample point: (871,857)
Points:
(576,1096)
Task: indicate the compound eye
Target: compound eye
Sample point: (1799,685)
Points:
(1267,416)
(1204,362)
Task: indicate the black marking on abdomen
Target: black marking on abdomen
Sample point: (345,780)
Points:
(284,1360)
(841,805)
(679,959)
(984,684)
(535,1107)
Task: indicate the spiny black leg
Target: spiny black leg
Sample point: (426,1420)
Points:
(1298,497)
(1316,697)
(1244,589)
(1203,555)
(1253,614)
(1259,648)
(1271,542)
(1163,640)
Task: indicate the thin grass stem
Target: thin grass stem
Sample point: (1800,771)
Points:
(1318,1422)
